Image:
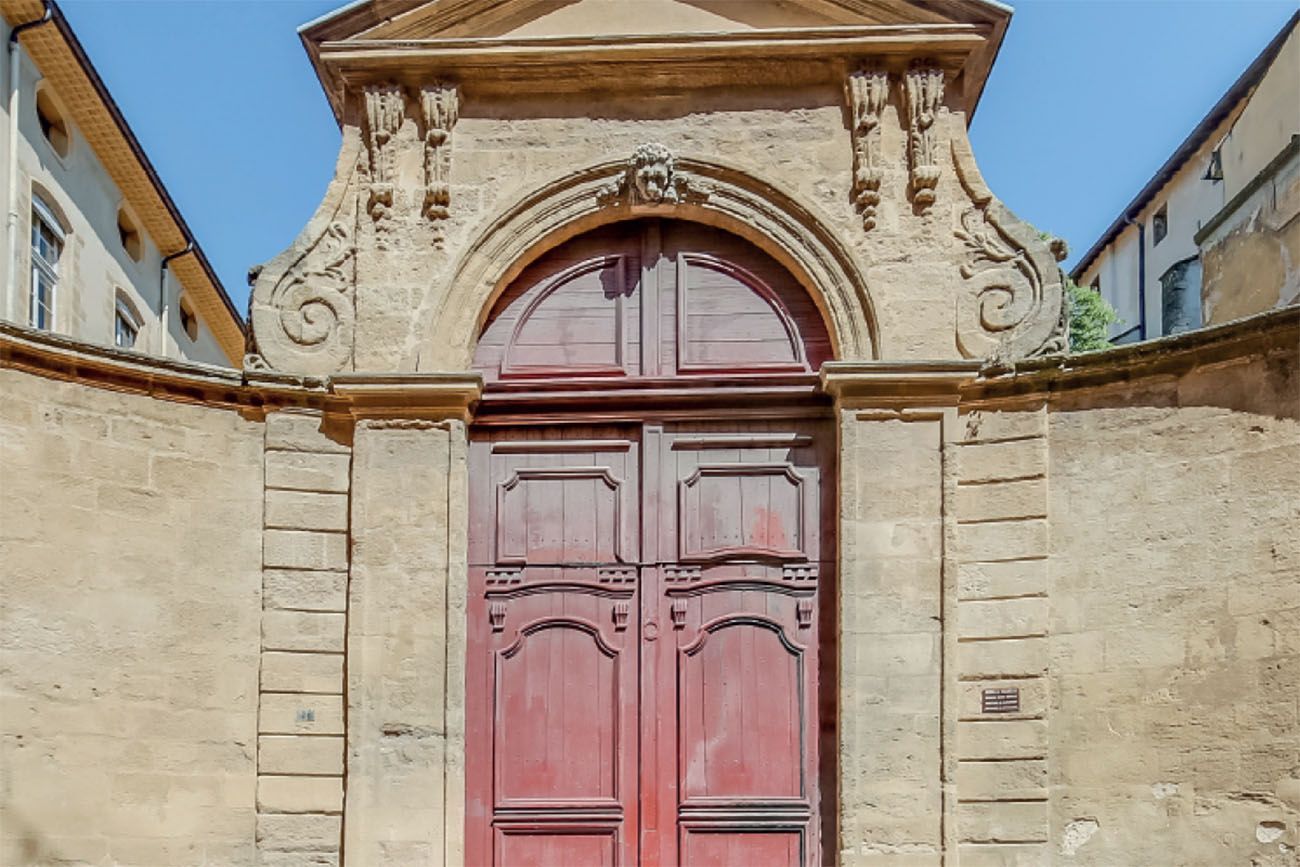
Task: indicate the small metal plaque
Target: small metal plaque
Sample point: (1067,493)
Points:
(1000,700)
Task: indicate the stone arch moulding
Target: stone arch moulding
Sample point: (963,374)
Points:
(685,188)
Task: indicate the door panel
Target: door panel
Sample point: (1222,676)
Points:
(551,739)
(739,542)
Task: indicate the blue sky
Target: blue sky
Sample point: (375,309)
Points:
(1087,99)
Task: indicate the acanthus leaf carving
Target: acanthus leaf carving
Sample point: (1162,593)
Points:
(923,84)
(440,107)
(867,91)
(385,112)
(651,178)
(1014,304)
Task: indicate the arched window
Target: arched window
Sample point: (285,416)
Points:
(47,251)
(126,321)
(53,126)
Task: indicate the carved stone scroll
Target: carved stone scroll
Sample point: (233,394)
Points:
(439,105)
(305,322)
(924,87)
(385,111)
(867,91)
(1013,305)
(651,179)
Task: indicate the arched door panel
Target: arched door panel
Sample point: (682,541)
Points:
(651,299)
(644,620)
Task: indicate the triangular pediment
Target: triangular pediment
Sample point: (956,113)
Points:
(529,19)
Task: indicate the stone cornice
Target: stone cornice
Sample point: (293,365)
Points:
(556,64)
(1274,332)
(427,396)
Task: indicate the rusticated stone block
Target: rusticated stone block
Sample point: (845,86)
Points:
(987,781)
(312,590)
(306,510)
(985,425)
(299,794)
(301,432)
(303,630)
(1002,821)
(302,672)
(1002,500)
(1001,618)
(1002,658)
(304,471)
(994,462)
(977,579)
(299,754)
(1002,540)
(300,714)
(302,549)
(302,832)
(1001,739)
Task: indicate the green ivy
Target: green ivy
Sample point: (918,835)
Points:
(1090,317)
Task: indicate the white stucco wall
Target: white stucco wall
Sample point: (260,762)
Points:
(1249,138)
(1191,200)
(1269,120)
(94,264)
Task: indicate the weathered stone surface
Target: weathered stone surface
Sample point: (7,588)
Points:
(305,510)
(303,672)
(302,432)
(303,630)
(299,794)
(130,582)
(299,833)
(300,754)
(300,714)
(1001,461)
(304,549)
(303,471)
(304,590)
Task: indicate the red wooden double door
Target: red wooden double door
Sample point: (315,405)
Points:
(643,666)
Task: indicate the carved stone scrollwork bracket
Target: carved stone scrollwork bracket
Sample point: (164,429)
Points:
(651,179)
(1013,305)
(305,320)
(867,91)
(440,106)
(923,86)
(385,112)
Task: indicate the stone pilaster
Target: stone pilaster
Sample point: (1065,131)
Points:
(1002,617)
(896,627)
(406,623)
(304,579)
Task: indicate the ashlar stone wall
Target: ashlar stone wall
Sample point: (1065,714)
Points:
(130,599)
(1174,515)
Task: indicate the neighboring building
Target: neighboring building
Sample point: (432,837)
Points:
(1214,235)
(657,449)
(98,250)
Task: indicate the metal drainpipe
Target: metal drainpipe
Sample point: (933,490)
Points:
(15,70)
(1142,276)
(163,312)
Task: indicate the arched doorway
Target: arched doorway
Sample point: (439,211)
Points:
(651,548)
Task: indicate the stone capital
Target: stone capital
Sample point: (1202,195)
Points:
(408,398)
(906,387)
